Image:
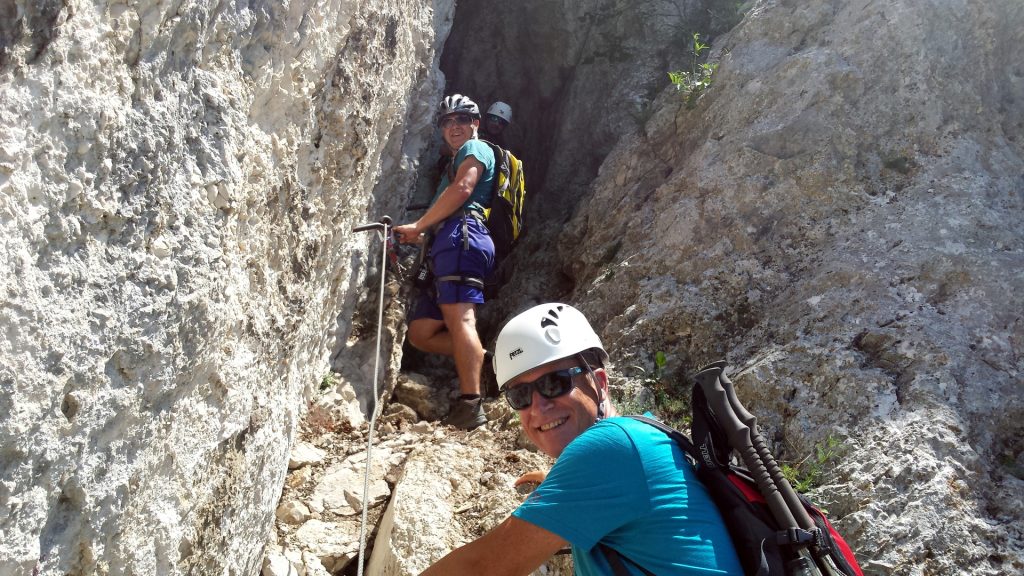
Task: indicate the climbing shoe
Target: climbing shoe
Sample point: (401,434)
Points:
(466,414)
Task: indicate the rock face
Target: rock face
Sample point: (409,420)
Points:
(838,215)
(177,185)
(450,487)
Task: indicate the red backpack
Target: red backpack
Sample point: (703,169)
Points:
(803,544)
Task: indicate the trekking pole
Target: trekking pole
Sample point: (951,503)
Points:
(740,437)
(384,226)
(790,496)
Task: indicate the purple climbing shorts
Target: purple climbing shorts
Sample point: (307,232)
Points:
(450,257)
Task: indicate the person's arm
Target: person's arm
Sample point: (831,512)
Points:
(513,548)
(453,197)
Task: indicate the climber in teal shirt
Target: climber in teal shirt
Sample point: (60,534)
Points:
(617,485)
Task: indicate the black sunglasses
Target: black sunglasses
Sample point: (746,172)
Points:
(498,119)
(550,385)
(460,119)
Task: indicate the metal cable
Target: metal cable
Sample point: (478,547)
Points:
(377,400)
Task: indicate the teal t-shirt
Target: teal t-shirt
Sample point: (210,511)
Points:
(626,484)
(481,196)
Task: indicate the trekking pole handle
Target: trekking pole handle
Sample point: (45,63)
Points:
(739,437)
(383,225)
(785,498)
(778,478)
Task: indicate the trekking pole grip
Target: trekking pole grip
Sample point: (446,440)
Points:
(739,437)
(778,478)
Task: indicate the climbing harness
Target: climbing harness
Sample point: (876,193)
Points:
(384,226)
(460,278)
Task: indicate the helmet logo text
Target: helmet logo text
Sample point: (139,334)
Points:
(515,353)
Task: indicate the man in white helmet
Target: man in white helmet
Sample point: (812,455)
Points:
(496,120)
(619,487)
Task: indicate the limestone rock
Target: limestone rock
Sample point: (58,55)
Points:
(448,494)
(304,454)
(418,392)
(334,544)
(292,512)
(400,413)
(337,408)
(279,565)
(179,182)
(340,490)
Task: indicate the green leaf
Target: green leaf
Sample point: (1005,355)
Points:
(660,360)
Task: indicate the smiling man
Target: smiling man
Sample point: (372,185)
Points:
(619,488)
(443,319)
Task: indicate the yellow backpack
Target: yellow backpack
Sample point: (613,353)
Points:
(505,216)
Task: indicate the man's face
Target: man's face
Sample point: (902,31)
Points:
(551,423)
(495,125)
(457,129)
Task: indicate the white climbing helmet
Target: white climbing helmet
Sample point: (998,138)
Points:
(540,335)
(501,110)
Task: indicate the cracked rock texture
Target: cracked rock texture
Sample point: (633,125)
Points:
(838,215)
(177,185)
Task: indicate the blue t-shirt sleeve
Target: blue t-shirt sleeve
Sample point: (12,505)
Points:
(479,150)
(595,486)
(481,196)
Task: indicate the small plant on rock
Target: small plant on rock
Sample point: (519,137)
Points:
(694,82)
(807,473)
(670,404)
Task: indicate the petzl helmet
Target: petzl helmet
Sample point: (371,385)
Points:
(458,104)
(501,110)
(540,335)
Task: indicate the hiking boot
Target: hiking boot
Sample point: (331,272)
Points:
(466,414)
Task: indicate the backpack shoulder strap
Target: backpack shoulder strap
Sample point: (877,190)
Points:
(615,558)
(615,561)
(501,165)
(499,153)
(672,433)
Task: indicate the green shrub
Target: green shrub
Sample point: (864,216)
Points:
(694,82)
(806,474)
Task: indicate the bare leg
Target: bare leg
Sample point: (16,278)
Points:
(460,318)
(430,336)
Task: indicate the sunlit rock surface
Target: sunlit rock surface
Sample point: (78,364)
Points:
(177,186)
(838,215)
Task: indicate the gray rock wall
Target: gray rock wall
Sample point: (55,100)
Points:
(839,216)
(177,186)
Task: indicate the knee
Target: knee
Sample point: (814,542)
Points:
(418,335)
(460,318)
(415,339)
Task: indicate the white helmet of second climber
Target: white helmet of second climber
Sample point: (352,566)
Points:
(501,110)
(540,335)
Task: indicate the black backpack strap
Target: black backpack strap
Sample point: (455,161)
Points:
(672,433)
(500,164)
(466,280)
(615,561)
